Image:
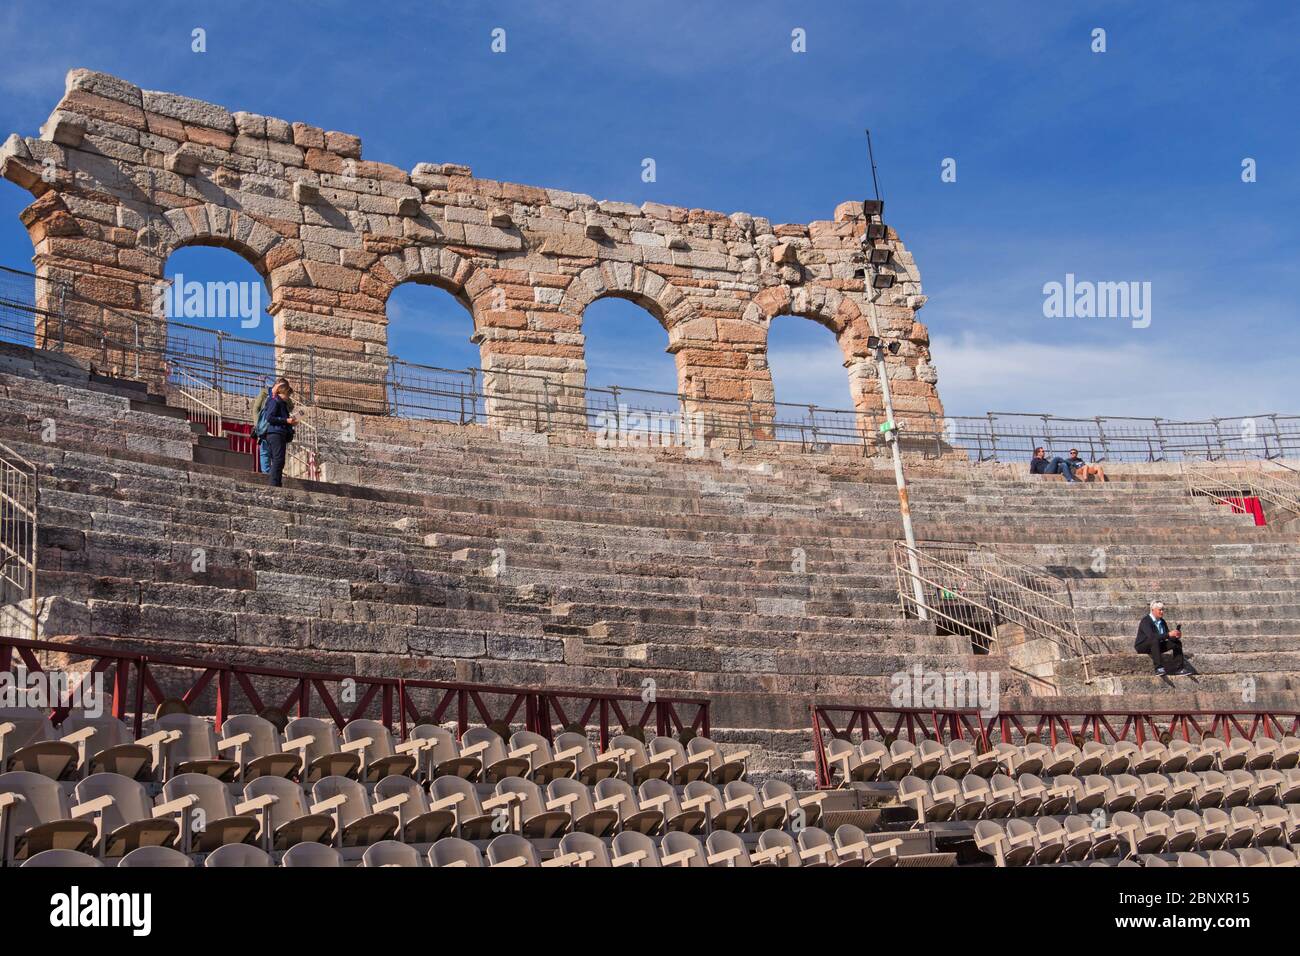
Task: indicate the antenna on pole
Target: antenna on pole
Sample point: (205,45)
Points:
(871,155)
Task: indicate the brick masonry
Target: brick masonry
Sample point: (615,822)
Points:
(123,177)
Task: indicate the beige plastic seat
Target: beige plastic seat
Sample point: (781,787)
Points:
(1222,858)
(574,798)
(1240,783)
(1092,756)
(1268,783)
(1212,833)
(35,815)
(356,822)
(111,747)
(685,768)
(1153,860)
(1182,790)
(1049,841)
(237,855)
(1288,753)
(1282,856)
(381,755)
(721,813)
(659,795)
(974,797)
(390,853)
(853,847)
(498,762)
(1288,790)
(1035,758)
(191,747)
(1117,757)
(1293,823)
(1058,796)
(845,761)
(1157,828)
(1078,838)
(899,762)
(1122,793)
(1192,859)
(817,849)
(1089,792)
(1271,826)
(1211,789)
(1177,754)
(531,814)
(776,848)
(207,814)
(284,814)
(984,762)
(637,765)
(417,821)
(258,747)
(803,811)
(872,758)
(121,810)
(585,850)
(1153,792)
(29,742)
(443,755)
(591,767)
(723,767)
(723,848)
(1002,796)
(510,849)
(1148,758)
(1236,755)
(1247,856)
(1013,760)
(617,795)
(1064,758)
(156,856)
(312,855)
(957,759)
(681,849)
(1008,847)
(473,821)
(1201,757)
(321,750)
(543,767)
(1184,832)
(455,852)
(62,859)
(1031,792)
(929,759)
(631,848)
(915,793)
(761,814)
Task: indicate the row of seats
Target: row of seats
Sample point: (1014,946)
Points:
(312,748)
(1001,795)
(872,760)
(114,814)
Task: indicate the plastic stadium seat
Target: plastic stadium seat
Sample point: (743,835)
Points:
(730,813)
(1177,754)
(356,823)
(1049,841)
(1182,790)
(111,747)
(1153,791)
(416,821)
(1088,793)
(853,848)
(443,755)
(725,849)
(817,849)
(1077,839)
(1064,758)
(322,752)
(637,765)
(453,851)
(207,815)
(283,813)
(62,859)
(844,758)
(1201,758)
(762,814)
(618,795)
(390,853)
(1151,859)
(1122,793)
(1011,844)
(957,759)
(1058,797)
(1030,791)
(191,748)
(1289,788)
(782,846)
(933,801)
(1149,758)
(899,762)
(1184,832)
(498,762)
(1247,856)
(680,849)
(659,795)
(1033,758)
(1241,827)
(1288,753)
(1240,783)
(510,849)
(156,856)
(381,756)
(459,796)
(1222,858)
(685,768)
(1282,856)
(1192,859)
(237,855)
(1157,828)
(29,742)
(630,848)
(723,768)
(591,767)
(35,816)
(1211,789)
(1117,757)
(1213,830)
(313,855)
(530,813)
(1271,826)
(1003,794)
(1268,783)
(929,759)
(974,797)
(1092,756)
(584,850)
(543,767)
(810,805)
(1236,754)
(1128,827)
(574,797)
(123,813)
(1293,823)
(258,747)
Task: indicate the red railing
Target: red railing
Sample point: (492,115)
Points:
(227,688)
(1050,727)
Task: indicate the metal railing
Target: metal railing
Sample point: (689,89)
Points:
(1230,482)
(19,500)
(970,591)
(35,311)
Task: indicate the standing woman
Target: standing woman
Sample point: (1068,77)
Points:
(278,415)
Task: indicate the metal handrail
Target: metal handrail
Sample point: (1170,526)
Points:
(19,530)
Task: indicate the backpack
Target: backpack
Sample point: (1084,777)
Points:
(260,426)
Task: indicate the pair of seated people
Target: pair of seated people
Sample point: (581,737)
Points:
(1073,468)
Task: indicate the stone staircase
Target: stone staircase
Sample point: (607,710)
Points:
(763,582)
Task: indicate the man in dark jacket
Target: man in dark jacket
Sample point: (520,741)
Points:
(279,429)
(1154,638)
(1040,465)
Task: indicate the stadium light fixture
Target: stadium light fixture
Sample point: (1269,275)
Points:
(882,280)
(875,230)
(880,256)
(873,207)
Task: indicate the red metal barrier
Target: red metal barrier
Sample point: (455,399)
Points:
(1051,727)
(395,701)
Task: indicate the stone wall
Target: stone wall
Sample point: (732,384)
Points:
(124,176)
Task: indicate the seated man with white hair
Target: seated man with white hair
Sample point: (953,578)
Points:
(1154,637)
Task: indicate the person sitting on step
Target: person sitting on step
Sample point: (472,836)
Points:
(1040,465)
(1082,469)
(1154,638)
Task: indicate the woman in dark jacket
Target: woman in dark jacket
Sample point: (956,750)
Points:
(279,429)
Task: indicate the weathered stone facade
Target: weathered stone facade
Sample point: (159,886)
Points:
(124,176)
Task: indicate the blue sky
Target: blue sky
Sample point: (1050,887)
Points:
(1115,166)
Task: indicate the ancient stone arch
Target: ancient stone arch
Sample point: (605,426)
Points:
(123,176)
